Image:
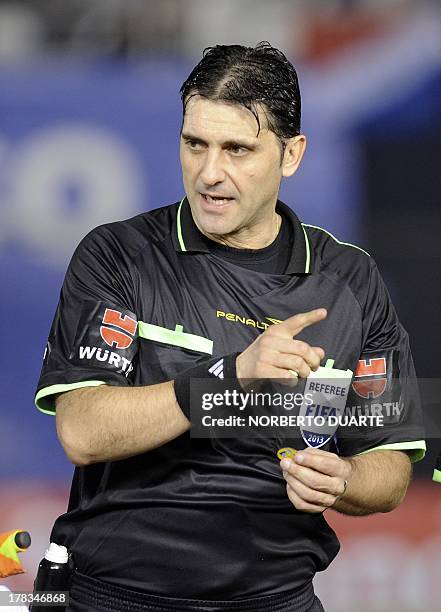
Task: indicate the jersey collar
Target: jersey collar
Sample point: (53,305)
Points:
(186,237)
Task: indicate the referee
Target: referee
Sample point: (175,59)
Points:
(225,285)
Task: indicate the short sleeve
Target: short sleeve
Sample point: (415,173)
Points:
(93,337)
(437,469)
(384,384)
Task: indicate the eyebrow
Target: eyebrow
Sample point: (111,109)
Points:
(237,142)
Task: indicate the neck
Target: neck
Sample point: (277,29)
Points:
(256,237)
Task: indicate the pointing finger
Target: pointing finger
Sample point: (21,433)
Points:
(298,322)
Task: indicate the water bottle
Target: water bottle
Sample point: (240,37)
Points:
(53,574)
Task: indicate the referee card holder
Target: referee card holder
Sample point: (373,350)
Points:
(286,447)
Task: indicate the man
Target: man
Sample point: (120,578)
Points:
(225,285)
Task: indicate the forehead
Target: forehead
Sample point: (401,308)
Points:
(217,119)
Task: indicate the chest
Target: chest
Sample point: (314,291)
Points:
(208,307)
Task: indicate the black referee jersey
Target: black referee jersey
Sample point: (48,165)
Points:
(145,299)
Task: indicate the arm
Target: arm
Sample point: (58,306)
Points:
(376,481)
(108,423)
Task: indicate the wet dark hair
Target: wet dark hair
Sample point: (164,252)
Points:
(254,77)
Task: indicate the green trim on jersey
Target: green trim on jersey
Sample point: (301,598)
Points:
(44,399)
(336,239)
(437,475)
(308,253)
(418,447)
(176,337)
(179,227)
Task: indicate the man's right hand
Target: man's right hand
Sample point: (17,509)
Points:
(275,352)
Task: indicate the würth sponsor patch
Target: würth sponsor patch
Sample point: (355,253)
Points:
(106,337)
(118,329)
(370,377)
(111,358)
(376,387)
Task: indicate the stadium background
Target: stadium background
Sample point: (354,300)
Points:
(89,120)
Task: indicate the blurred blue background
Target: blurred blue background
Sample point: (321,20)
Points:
(89,123)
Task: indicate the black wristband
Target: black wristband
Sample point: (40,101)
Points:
(218,368)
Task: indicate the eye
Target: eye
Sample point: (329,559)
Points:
(194,145)
(237,150)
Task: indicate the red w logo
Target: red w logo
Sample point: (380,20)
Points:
(370,387)
(122,337)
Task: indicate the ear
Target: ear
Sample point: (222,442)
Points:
(295,147)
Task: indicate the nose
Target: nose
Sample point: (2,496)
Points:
(212,171)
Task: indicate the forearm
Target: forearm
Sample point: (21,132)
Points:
(108,423)
(378,483)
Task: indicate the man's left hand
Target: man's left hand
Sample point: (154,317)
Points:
(315,479)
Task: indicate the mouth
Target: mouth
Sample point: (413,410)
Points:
(214,201)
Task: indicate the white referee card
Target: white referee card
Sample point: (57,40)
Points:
(324,401)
